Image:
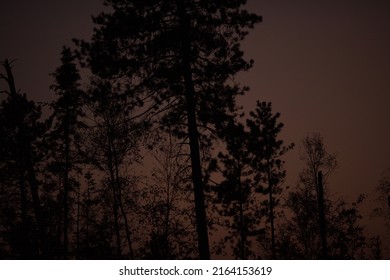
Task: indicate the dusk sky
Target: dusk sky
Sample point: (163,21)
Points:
(325,66)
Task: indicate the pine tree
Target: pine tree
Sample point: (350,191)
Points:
(236,192)
(178,57)
(267,149)
(65,135)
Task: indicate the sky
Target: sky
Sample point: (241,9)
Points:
(325,66)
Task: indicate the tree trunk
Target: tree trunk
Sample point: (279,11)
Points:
(201,220)
(10,78)
(321,216)
(78,224)
(114,191)
(271,210)
(27,165)
(242,224)
(123,212)
(37,206)
(66,184)
(242,230)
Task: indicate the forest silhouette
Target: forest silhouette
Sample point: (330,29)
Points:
(150,157)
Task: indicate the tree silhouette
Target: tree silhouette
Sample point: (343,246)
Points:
(251,168)
(267,150)
(149,156)
(302,235)
(236,192)
(178,56)
(65,135)
(20,134)
(168,206)
(113,141)
(383,198)
(301,238)
(319,164)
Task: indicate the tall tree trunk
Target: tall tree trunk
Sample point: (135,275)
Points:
(27,165)
(10,79)
(167,216)
(201,220)
(87,221)
(116,219)
(66,183)
(60,215)
(78,224)
(37,205)
(321,216)
(114,196)
(122,209)
(242,224)
(271,209)
(242,229)
(26,242)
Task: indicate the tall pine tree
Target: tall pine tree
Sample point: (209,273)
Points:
(267,149)
(67,113)
(177,57)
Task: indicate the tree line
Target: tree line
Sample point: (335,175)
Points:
(150,156)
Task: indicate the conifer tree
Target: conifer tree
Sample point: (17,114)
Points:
(177,57)
(65,135)
(266,149)
(236,192)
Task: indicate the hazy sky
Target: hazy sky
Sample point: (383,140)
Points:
(325,65)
